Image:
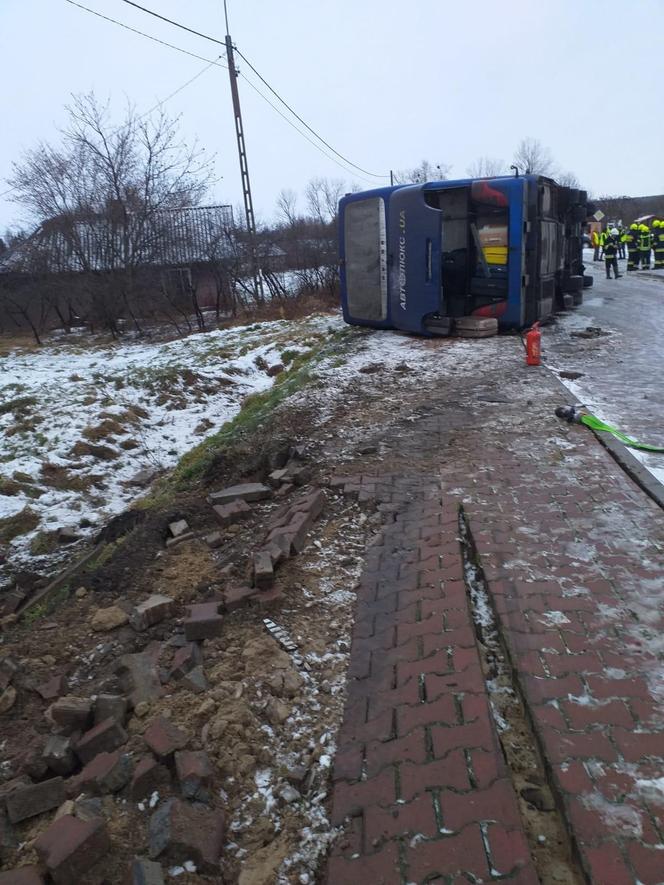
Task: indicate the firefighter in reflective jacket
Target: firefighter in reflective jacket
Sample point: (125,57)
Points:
(645,244)
(631,240)
(658,243)
(602,242)
(611,246)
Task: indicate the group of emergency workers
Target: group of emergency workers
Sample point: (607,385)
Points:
(639,240)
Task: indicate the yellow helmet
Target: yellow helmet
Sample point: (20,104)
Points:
(657,223)
(634,226)
(643,227)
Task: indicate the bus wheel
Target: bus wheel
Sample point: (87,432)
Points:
(437,325)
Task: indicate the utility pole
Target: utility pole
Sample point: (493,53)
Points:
(244,168)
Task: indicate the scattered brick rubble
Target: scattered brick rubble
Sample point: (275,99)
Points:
(90,754)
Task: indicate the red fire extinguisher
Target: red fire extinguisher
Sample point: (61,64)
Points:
(533,346)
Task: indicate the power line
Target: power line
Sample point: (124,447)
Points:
(273,91)
(246,79)
(211,64)
(299,131)
(176,24)
(142,33)
(304,123)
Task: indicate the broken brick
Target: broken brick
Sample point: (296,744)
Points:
(283,538)
(230,514)
(71,714)
(110,706)
(204,621)
(53,688)
(33,799)
(70,847)
(145,872)
(284,490)
(164,738)
(214,540)
(234,597)
(139,677)
(103,738)
(300,476)
(195,680)
(151,611)
(185,659)
(277,477)
(107,773)
(187,832)
(312,504)
(177,528)
(194,773)
(174,542)
(59,755)
(6,788)
(148,776)
(262,570)
(250,491)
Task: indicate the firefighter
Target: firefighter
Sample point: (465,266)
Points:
(645,244)
(594,242)
(621,241)
(602,241)
(631,239)
(658,243)
(611,245)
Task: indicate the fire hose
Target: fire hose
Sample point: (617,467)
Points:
(573,415)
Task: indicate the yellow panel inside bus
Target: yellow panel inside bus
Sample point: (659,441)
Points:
(493,238)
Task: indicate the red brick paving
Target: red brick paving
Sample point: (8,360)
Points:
(572,553)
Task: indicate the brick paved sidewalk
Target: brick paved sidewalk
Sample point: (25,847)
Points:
(571,552)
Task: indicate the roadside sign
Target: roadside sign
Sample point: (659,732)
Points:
(599,215)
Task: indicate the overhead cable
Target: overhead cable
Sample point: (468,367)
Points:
(142,33)
(272,90)
(176,24)
(304,123)
(299,131)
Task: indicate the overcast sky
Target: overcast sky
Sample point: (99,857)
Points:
(386,83)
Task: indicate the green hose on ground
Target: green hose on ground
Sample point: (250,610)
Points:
(570,413)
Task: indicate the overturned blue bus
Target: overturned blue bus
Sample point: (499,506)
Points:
(417,256)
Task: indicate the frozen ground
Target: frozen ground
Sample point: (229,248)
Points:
(78,423)
(620,372)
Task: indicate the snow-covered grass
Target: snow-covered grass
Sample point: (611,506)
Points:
(78,422)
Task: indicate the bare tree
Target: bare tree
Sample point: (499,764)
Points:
(486,167)
(287,207)
(101,196)
(533,158)
(322,196)
(426,171)
(567,179)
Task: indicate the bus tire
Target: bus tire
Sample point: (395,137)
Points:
(477,333)
(573,284)
(477,324)
(438,325)
(587,281)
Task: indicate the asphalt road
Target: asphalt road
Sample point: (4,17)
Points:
(622,372)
